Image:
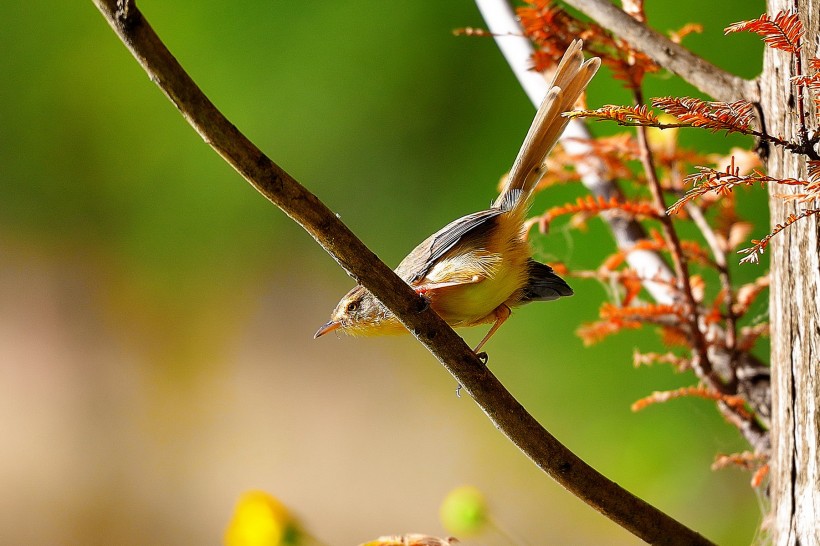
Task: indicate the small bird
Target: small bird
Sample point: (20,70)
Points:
(476,268)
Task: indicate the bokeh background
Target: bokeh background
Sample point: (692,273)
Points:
(156,313)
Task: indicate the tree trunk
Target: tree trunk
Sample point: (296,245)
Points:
(794,304)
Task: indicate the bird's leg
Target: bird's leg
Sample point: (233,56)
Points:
(502,313)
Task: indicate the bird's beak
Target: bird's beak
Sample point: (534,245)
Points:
(329,327)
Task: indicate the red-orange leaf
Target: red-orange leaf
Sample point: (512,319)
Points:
(747,294)
(750,334)
(759,246)
(717,116)
(735,402)
(677,36)
(593,205)
(651,312)
(646,359)
(596,331)
(760,475)
(746,460)
(722,182)
(783,32)
(640,115)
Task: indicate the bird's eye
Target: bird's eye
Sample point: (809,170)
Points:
(352,306)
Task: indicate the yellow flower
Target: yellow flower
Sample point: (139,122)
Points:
(259,519)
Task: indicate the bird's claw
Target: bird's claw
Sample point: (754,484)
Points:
(425,303)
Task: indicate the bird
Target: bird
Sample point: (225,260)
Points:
(475,269)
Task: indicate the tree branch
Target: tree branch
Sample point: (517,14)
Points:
(275,184)
(713,81)
(702,363)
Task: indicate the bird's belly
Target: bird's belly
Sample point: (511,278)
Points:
(474,303)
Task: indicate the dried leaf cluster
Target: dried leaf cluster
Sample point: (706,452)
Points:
(709,325)
(552,28)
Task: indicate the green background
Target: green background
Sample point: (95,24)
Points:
(156,313)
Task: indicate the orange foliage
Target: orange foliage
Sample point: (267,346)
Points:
(596,331)
(552,29)
(645,359)
(677,36)
(747,294)
(593,205)
(783,32)
(747,461)
(735,402)
(759,246)
(717,116)
(622,114)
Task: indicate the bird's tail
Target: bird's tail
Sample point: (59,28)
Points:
(570,80)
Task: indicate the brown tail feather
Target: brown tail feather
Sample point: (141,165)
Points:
(570,80)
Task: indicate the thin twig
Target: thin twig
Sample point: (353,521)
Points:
(746,423)
(710,79)
(719,254)
(703,364)
(801,91)
(632,513)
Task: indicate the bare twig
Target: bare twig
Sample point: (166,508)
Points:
(679,261)
(801,91)
(275,184)
(746,423)
(710,79)
(719,254)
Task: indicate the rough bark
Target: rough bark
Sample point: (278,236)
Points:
(795,300)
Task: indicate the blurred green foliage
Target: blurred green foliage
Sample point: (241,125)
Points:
(463,511)
(399,127)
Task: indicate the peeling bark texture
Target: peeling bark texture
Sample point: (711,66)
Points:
(794,304)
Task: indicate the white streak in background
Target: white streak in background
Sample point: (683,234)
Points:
(517,50)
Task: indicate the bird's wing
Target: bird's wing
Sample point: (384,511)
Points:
(425,256)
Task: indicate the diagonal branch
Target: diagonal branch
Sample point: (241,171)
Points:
(714,81)
(275,184)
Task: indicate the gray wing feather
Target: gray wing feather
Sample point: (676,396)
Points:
(449,236)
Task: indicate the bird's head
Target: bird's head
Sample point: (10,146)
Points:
(359,313)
